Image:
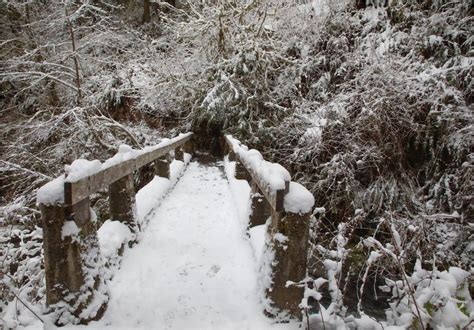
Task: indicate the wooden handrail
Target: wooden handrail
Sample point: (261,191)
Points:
(78,190)
(275,197)
(288,205)
(68,269)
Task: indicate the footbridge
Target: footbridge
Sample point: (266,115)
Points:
(205,243)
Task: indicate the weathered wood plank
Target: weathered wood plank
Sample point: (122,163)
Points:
(104,178)
(179,154)
(148,158)
(260,208)
(189,147)
(62,261)
(76,191)
(122,202)
(162,166)
(241,172)
(289,263)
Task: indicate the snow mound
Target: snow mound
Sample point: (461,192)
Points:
(52,192)
(69,229)
(151,194)
(240,190)
(81,168)
(257,240)
(112,236)
(298,199)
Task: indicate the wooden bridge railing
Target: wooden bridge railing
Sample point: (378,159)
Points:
(71,251)
(289,205)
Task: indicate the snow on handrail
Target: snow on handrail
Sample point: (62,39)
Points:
(273,180)
(285,253)
(84,177)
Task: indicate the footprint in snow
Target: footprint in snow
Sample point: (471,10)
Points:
(213,270)
(169,317)
(184,300)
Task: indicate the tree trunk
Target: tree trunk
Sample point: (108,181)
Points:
(146,11)
(361,4)
(76,61)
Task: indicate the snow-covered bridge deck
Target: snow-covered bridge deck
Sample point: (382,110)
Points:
(194,267)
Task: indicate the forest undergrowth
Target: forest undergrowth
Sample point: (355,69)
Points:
(369,108)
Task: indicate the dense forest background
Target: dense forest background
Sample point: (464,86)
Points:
(366,103)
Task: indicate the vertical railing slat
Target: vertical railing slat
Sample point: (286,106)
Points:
(122,202)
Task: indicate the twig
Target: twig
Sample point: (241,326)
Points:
(21,301)
(321,313)
(307,318)
(44,176)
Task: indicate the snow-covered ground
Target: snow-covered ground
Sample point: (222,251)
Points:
(194,267)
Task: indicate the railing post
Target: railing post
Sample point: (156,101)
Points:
(231,154)
(189,147)
(179,154)
(62,257)
(261,209)
(122,202)
(289,241)
(144,175)
(162,166)
(241,172)
(71,257)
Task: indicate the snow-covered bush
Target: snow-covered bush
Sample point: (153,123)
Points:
(433,298)
(380,127)
(21,273)
(442,297)
(45,124)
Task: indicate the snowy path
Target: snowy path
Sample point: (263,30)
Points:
(193,268)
